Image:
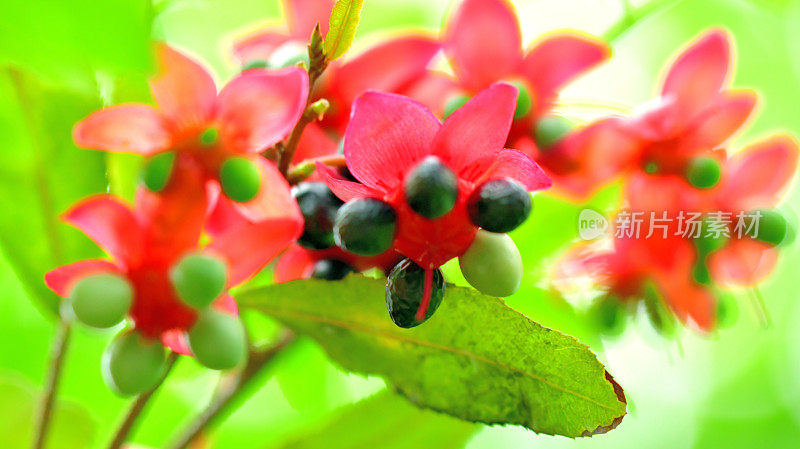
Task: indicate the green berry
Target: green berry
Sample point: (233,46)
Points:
(499,206)
(454,103)
(405,291)
(218,340)
(331,270)
(431,188)
(703,172)
(727,310)
(365,226)
(240,179)
(524,100)
(551,130)
(198,279)
(101,300)
(256,64)
(609,316)
(318,206)
(287,55)
(492,264)
(772,227)
(133,364)
(157,171)
(651,168)
(209,137)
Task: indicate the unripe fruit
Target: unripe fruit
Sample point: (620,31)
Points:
(287,55)
(608,314)
(209,137)
(198,279)
(772,227)
(101,300)
(727,311)
(703,172)
(331,270)
(492,264)
(318,206)
(499,206)
(240,179)
(431,188)
(524,100)
(218,340)
(551,130)
(406,293)
(157,171)
(365,226)
(133,364)
(453,104)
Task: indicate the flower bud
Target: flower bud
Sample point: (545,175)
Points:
(703,172)
(412,293)
(492,264)
(331,270)
(431,188)
(499,206)
(157,171)
(198,279)
(551,130)
(454,103)
(218,340)
(240,179)
(133,364)
(318,206)
(365,226)
(101,300)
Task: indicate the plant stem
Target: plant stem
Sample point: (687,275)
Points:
(138,406)
(57,353)
(228,395)
(633,15)
(303,170)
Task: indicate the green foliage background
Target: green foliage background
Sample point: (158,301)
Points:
(736,388)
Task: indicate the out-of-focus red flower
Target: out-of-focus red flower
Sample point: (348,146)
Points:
(145,241)
(252,112)
(390,134)
(297,262)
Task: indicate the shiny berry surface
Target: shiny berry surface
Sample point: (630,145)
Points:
(431,188)
(412,293)
(499,205)
(365,226)
(319,207)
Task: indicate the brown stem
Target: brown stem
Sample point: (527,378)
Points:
(228,396)
(57,353)
(138,406)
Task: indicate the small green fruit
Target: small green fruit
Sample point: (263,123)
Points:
(240,179)
(365,226)
(209,137)
(524,100)
(157,171)
(499,206)
(772,227)
(454,103)
(133,364)
(551,130)
(101,300)
(431,188)
(198,279)
(218,340)
(609,316)
(703,172)
(405,289)
(331,270)
(492,264)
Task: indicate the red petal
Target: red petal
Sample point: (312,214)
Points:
(111,224)
(700,72)
(758,176)
(742,262)
(387,67)
(260,107)
(478,129)
(183,89)
(314,143)
(303,16)
(557,60)
(483,42)
(513,164)
(258,46)
(386,136)
(295,263)
(274,198)
(689,300)
(344,189)
(722,119)
(132,128)
(175,340)
(62,278)
(432,89)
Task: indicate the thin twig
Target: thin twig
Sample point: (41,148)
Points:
(302,171)
(138,406)
(227,397)
(57,353)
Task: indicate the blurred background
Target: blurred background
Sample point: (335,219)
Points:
(737,387)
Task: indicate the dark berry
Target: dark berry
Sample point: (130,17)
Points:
(703,172)
(408,300)
(365,226)
(331,270)
(499,206)
(431,188)
(318,206)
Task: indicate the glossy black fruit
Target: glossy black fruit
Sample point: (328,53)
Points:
(431,188)
(499,206)
(365,226)
(318,206)
(405,293)
(331,270)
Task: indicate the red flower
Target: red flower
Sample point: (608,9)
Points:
(252,112)
(146,241)
(389,135)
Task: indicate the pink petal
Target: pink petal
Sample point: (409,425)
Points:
(274,198)
(387,67)
(558,59)
(111,224)
(258,46)
(727,115)
(62,278)
(742,262)
(183,89)
(132,128)
(386,136)
(227,304)
(515,165)
(344,189)
(700,72)
(483,42)
(303,16)
(175,340)
(295,263)
(478,129)
(223,216)
(758,176)
(314,143)
(259,107)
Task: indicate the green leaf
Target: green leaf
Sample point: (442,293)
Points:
(475,359)
(342,29)
(386,421)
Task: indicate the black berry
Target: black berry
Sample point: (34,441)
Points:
(331,270)
(408,301)
(365,226)
(431,188)
(318,206)
(499,206)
